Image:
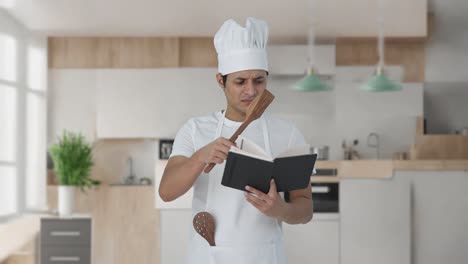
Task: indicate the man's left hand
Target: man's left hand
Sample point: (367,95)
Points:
(271,203)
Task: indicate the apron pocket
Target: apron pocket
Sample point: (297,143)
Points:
(252,254)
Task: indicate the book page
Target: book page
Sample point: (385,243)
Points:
(249,148)
(296,151)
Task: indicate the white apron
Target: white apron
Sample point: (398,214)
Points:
(243,234)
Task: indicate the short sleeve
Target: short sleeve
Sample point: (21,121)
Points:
(183,142)
(296,139)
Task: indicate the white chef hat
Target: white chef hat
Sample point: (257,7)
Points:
(242,48)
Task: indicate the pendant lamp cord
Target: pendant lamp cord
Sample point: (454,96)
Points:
(380,22)
(311,35)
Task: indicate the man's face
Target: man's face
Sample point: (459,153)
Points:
(242,87)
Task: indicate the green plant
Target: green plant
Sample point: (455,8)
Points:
(73,160)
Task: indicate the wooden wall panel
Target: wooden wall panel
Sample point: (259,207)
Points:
(72,52)
(410,53)
(197,52)
(115,52)
(440,147)
(159,52)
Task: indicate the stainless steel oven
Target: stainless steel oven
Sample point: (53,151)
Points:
(325,197)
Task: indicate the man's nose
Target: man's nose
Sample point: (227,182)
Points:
(250,88)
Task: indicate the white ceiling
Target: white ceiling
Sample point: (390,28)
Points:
(203,17)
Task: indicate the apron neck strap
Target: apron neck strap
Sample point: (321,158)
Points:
(266,137)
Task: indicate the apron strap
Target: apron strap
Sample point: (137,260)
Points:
(266,136)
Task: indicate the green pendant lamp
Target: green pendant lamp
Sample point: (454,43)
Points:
(380,82)
(311,82)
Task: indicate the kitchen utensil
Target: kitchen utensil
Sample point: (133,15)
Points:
(349,152)
(254,111)
(322,152)
(464,131)
(400,156)
(373,142)
(145,181)
(204,225)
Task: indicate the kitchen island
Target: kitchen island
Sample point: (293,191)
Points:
(125,224)
(402,211)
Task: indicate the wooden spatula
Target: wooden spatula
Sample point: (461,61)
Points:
(204,224)
(254,111)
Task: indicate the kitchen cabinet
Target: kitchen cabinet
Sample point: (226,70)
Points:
(315,242)
(174,229)
(65,240)
(375,221)
(72,103)
(153,103)
(439,215)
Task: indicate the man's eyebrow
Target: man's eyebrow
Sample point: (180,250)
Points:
(243,79)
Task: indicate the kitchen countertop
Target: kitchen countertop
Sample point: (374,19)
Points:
(383,168)
(17,233)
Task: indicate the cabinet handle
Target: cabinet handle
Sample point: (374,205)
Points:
(64,258)
(320,189)
(65,233)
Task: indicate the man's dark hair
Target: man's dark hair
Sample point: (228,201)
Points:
(225,78)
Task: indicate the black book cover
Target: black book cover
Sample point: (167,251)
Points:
(290,173)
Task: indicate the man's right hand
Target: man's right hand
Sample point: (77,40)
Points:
(214,152)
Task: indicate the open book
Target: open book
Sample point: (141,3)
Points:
(248,164)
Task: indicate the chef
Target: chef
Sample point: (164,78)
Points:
(248,224)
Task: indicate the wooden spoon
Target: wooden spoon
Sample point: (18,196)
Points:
(254,111)
(203,223)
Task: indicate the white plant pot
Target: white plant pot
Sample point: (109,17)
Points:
(66,200)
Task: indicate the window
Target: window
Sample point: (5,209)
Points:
(23,93)
(8,126)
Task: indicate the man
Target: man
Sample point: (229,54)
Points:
(248,224)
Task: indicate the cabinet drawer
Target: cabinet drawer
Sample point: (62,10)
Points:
(60,232)
(65,255)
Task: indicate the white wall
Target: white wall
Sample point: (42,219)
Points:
(323,118)
(346,113)
(446,88)
(445,107)
(446,52)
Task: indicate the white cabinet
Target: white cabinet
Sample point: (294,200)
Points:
(440,215)
(183,202)
(153,103)
(375,221)
(315,242)
(71,102)
(174,229)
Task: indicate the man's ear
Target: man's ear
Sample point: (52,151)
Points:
(219,79)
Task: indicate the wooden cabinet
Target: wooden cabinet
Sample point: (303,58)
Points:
(124,223)
(375,221)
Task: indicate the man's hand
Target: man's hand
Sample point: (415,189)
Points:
(214,152)
(271,203)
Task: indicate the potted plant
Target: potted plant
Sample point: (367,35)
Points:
(73,160)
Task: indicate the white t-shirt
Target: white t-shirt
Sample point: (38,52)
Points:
(200,131)
(197,132)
